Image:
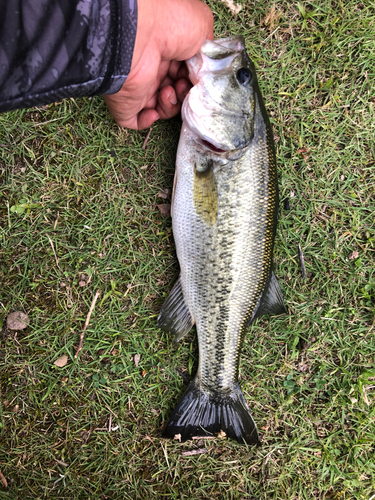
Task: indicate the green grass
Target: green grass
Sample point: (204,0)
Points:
(70,175)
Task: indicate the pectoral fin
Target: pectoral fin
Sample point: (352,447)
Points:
(173,192)
(272,300)
(174,316)
(205,194)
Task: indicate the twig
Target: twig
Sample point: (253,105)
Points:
(61,463)
(87,323)
(302,262)
(269,36)
(56,220)
(54,253)
(194,452)
(110,423)
(203,437)
(3,480)
(147,138)
(113,413)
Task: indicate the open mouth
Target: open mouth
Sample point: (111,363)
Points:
(213,148)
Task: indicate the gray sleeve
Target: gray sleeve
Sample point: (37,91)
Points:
(52,49)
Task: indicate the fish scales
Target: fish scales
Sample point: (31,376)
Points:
(224,220)
(223,266)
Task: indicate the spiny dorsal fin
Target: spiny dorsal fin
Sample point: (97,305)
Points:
(174,316)
(272,301)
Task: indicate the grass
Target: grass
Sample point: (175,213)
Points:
(70,176)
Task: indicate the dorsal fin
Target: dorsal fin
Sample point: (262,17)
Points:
(175,316)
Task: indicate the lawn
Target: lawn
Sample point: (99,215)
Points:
(79,215)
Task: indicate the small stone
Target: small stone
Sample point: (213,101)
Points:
(17,321)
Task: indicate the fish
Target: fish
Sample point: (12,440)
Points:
(224,214)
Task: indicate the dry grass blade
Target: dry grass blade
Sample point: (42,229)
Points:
(204,437)
(194,452)
(54,253)
(146,138)
(87,323)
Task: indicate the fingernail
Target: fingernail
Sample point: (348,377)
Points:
(173,98)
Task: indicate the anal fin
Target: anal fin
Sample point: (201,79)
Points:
(175,316)
(272,300)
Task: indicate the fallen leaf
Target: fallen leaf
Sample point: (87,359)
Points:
(144,373)
(234,8)
(137,358)
(163,194)
(221,435)
(304,152)
(3,480)
(177,437)
(165,209)
(354,255)
(82,283)
(17,321)
(61,361)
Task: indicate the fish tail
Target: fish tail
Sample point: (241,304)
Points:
(203,413)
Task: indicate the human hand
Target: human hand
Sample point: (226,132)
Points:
(168,32)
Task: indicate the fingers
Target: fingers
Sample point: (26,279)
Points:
(182,88)
(146,118)
(170,98)
(177,70)
(168,103)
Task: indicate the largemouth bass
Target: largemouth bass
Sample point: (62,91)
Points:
(224,214)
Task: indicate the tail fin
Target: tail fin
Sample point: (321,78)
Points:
(201,413)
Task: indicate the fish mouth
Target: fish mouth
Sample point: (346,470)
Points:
(212,147)
(229,154)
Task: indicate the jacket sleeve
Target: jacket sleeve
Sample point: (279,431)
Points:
(52,49)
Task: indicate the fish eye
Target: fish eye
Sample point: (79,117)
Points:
(244,76)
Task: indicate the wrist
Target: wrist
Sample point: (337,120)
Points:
(145,30)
